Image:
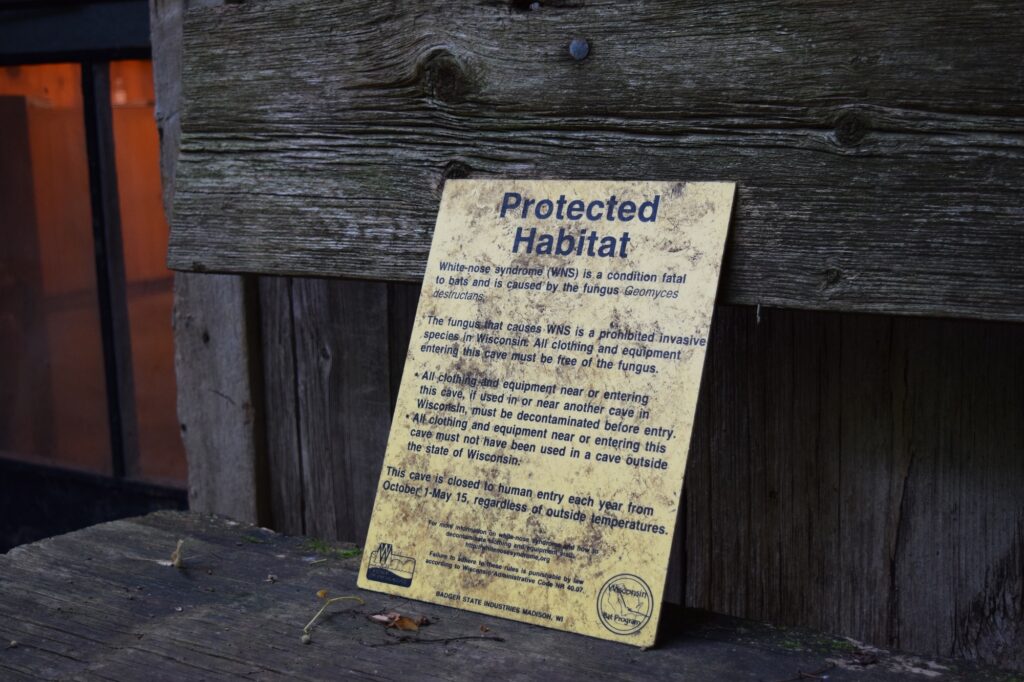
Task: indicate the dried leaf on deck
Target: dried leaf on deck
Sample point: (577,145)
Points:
(405,623)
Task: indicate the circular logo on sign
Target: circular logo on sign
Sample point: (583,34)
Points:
(625,604)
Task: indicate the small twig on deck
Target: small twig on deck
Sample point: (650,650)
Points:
(177,556)
(306,639)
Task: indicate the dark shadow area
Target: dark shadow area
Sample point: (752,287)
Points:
(37,502)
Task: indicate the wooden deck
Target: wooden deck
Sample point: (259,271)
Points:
(106,603)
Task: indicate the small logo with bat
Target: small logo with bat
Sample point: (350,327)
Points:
(385,566)
(625,604)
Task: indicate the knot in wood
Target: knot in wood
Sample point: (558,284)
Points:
(456,170)
(851,128)
(453,170)
(831,277)
(444,78)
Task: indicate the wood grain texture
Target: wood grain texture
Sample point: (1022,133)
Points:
(402,302)
(283,438)
(342,401)
(99,605)
(878,147)
(217,408)
(862,474)
(214,324)
(858,474)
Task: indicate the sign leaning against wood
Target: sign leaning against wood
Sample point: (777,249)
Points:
(536,456)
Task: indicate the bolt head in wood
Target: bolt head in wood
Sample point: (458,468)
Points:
(579,48)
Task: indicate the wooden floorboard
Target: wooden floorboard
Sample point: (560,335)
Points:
(103,603)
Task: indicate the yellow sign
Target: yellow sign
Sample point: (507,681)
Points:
(537,452)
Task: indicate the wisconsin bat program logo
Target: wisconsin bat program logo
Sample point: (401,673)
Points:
(625,604)
(387,567)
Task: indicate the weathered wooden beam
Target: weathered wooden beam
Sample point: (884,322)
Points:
(216,349)
(878,147)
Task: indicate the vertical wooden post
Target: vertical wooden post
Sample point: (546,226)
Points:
(215,332)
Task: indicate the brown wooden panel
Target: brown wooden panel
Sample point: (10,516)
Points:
(214,332)
(877,146)
(284,449)
(857,474)
(960,553)
(218,410)
(343,398)
(862,475)
(402,301)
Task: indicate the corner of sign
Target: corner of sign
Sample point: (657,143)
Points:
(646,644)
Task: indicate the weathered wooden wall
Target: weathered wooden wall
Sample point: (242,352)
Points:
(878,147)
(861,474)
(214,327)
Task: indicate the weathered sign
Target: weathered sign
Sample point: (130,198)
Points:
(536,457)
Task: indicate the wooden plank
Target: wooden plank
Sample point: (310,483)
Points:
(343,394)
(217,409)
(284,449)
(402,301)
(724,474)
(862,475)
(825,449)
(99,604)
(878,147)
(872,469)
(213,331)
(962,521)
(331,353)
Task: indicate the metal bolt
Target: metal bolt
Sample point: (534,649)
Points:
(579,48)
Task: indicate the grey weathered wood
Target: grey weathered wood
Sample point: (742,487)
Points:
(877,146)
(343,400)
(213,329)
(284,449)
(862,475)
(216,405)
(99,604)
(816,436)
(333,355)
(855,473)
